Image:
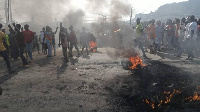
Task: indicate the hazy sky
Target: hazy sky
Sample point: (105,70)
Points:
(22,12)
(147,6)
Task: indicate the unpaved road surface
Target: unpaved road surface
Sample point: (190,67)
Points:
(94,83)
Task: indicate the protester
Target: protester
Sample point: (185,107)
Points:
(191,38)
(64,35)
(84,40)
(48,34)
(36,42)
(152,36)
(20,43)
(42,41)
(54,42)
(159,34)
(139,39)
(3,51)
(28,38)
(13,45)
(181,43)
(73,42)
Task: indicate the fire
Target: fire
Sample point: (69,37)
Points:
(195,97)
(168,97)
(135,62)
(93,46)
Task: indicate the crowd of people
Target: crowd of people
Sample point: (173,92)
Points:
(20,43)
(182,35)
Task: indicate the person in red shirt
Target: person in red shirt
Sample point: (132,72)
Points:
(28,38)
(73,42)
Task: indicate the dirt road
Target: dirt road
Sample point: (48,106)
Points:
(94,83)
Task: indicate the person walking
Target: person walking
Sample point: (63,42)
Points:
(28,38)
(73,42)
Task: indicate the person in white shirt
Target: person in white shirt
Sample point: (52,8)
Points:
(191,37)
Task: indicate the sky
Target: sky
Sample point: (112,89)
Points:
(91,8)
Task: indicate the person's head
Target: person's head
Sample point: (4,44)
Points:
(43,29)
(83,29)
(48,29)
(158,23)
(177,21)
(71,27)
(192,18)
(26,27)
(169,22)
(1,25)
(138,21)
(18,26)
(152,21)
(62,29)
(182,20)
(187,20)
(65,30)
(198,22)
(3,30)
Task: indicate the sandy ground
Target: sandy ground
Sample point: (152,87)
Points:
(94,83)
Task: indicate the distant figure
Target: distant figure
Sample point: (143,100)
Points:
(64,36)
(84,40)
(191,38)
(28,38)
(3,52)
(42,41)
(13,45)
(54,42)
(170,33)
(181,42)
(152,35)
(20,43)
(1,90)
(159,34)
(73,42)
(36,43)
(139,39)
(48,39)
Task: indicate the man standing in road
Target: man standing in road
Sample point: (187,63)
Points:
(28,38)
(73,42)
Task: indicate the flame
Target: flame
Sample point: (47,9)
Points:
(195,97)
(135,62)
(168,97)
(92,45)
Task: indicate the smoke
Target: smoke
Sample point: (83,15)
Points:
(37,11)
(74,17)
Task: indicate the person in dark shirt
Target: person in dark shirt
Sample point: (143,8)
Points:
(20,43)
(84,40)
(73,42)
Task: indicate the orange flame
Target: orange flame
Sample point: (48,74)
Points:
(195,97)
(135,62)
(92,45)
(167,99)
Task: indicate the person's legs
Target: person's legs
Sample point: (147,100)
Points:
(29,47)
(49,49)
(21,52)
(6,58)
(76,47)
(87,49)
(70,50)
(38,48)
(65,54)
(54,49)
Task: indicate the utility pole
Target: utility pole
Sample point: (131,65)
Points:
(10,9)
(131,15)
(6,12)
